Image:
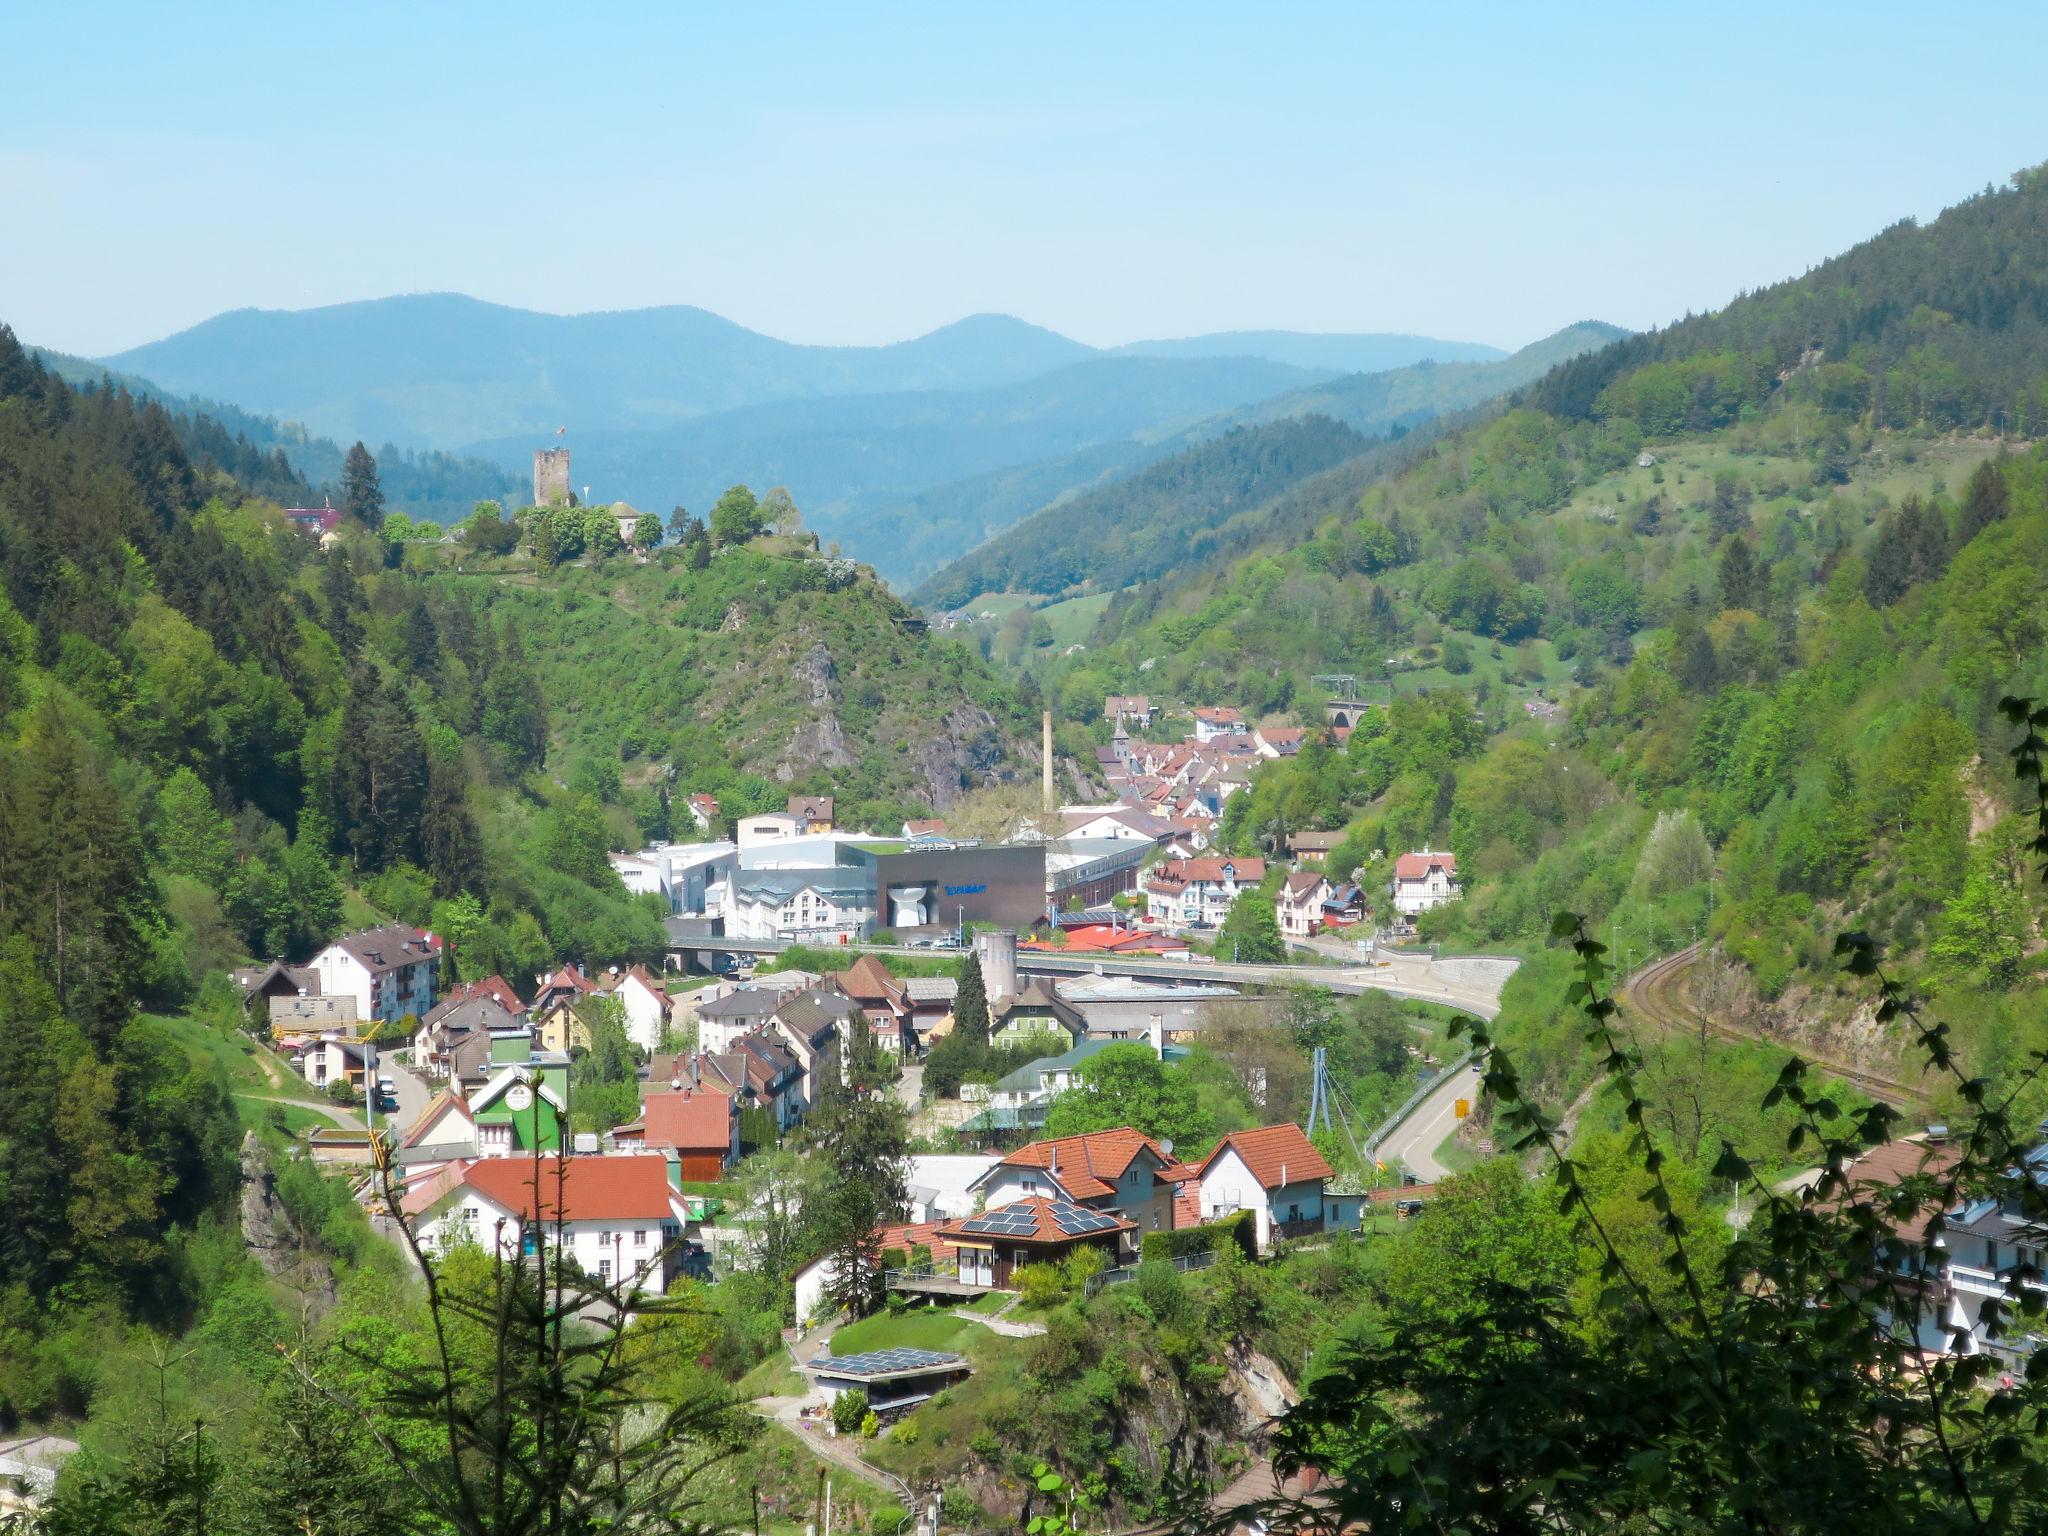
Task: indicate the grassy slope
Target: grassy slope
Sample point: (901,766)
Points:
(763,664)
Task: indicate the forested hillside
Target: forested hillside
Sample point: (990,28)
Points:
(285,463)
(1711,650)
(220,742)
(1165,518)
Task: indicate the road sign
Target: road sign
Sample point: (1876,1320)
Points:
(1464,1108)
(1486,1146)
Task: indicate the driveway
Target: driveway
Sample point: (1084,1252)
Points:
(413,1093)
(910,1087)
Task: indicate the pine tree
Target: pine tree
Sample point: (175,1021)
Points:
(1742,580)
(862,1133)
(449,839)
(1986,500)
(420,641)
(970,1003)
(382,775)
(345,603)
(313,1475)
(362,497)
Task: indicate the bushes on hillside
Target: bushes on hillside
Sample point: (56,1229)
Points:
(1241,1229)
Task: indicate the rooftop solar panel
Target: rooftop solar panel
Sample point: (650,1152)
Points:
(882,1362)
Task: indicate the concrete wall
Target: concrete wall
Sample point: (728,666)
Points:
(1481,971)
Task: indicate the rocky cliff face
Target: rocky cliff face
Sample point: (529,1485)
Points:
(271,1236)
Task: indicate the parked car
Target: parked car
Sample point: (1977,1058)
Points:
(387,1093)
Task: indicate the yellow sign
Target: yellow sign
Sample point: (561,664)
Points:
(1464,1108)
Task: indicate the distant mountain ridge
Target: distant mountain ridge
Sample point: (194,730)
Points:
(1163,516)
(445,370)
(1370,352)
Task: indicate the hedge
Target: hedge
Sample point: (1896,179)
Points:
(1203,1239)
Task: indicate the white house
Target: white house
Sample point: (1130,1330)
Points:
(828,906)
(390,971)
(1300,903)
(1274,1172)
(645,1004)
(1220,721)
(1193,893)
(1425,880)
(941,1184)
(620,1218)
(327,1062)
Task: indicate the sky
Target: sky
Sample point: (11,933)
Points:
(863,173)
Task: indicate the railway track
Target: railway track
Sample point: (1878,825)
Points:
(1656,993)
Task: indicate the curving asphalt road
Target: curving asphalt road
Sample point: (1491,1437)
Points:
(1415,1140)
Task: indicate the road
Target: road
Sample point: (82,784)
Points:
(1415,1140)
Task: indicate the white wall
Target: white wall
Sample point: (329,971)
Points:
(634,1246)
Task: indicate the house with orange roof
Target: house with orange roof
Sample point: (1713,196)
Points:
(619,1218)
(697,1128)
(883,1001)
(1199,893)
(566,985)
(1219,720)
(1425,880)
(1123,1171)
(1040,1229)
(444,1132)
(1276,1173)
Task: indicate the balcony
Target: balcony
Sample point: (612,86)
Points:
(1976,1282)
(1999,1283)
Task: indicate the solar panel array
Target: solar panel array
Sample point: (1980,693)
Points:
(881,1362)
(1076,1222)
(1012,1222)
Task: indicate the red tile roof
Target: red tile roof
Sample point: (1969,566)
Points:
(1187,1205)
(1190,871)
(699,1121)
(1088,1165)
(1272,1150)
(496,988)
(1416,866)
(1046,1231)
(909,1234)
(611,1188)
(568,976)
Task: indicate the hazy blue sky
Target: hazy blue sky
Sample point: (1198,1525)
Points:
(859,173)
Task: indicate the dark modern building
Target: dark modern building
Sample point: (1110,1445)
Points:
(938,888)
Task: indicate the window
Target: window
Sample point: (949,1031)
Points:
(604,1271)
(494,1136)
(640,1237)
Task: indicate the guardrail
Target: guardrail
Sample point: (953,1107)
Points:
(921,1272)
(1393,1122)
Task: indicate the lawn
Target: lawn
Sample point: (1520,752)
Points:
(988,1305)
(1074,620)
(242,1062)
(773,1377)
(908,1330)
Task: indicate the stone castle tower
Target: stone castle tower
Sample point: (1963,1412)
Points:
(550,477)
